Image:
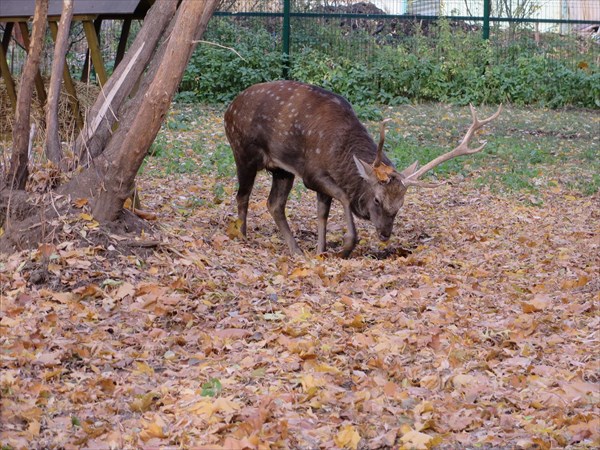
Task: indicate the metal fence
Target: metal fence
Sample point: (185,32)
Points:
(568,29)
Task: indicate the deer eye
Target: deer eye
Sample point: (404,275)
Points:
(377,202)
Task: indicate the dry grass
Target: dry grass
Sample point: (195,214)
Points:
(86,93)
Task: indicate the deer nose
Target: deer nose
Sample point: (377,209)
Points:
(384,236)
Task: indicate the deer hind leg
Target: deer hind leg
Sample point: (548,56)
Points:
(282,185)
(246,175)
(323,207)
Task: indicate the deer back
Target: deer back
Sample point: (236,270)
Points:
(299,128)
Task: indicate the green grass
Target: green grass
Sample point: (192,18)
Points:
(529,150)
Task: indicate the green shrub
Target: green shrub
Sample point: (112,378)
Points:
(216,74)
(454,66)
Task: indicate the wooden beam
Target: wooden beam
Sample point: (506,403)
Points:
(39,82)
(69,85)
(7,35)
(85,71)
(122,42)
(4,69)
(8,79)
(26,19)
(95,52)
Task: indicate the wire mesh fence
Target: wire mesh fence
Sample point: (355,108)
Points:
(289,30)
(355,29)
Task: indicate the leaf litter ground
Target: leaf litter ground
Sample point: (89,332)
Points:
(475,327)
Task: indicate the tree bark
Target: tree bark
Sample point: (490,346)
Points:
(99,124)
(18,173)
(192,19)
(53,148)
(110,180)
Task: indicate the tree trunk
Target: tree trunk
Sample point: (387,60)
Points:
(53,148)
(18,173)
(99,124)
(110,180)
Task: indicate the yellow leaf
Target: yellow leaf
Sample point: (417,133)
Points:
(390,389)
(417,440)
(153,430)
(451,291)
(63,297)
(207,408)
(34,428)
(51,374)
(538,303)
(383,172)
(124,290)
(300,272)
(143,402)
(86,216)
(202,407)
(347,437)
(309,383)
(326,368)
(572,284)
(8,322)
(357,322)
(234,229)
(143,368)
(225,405)
(462,380)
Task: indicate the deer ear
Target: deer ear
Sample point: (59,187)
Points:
(364,169)
(410,170)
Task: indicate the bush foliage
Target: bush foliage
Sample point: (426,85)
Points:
(455,67)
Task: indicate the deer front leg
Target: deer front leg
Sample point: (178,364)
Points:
(326,187)
(323,207)
(282,185)
(351,237)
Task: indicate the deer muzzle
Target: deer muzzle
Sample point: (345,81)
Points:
(384,236)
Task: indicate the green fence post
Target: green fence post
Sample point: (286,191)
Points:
(286,39)
(486,19)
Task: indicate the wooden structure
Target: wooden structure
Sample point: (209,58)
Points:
(15,14)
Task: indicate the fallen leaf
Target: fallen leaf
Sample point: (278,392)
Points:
(417,440)
(538,303)
(347,437)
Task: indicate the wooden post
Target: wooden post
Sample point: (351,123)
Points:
(95,52)
(122,42)
(7,34)
(39,82)
(8,79)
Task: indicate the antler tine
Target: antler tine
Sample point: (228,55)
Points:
(462,148)
(379,155)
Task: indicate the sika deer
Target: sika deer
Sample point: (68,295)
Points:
(295,129)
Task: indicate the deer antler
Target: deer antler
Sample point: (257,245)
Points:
(379,155)
(462,149)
